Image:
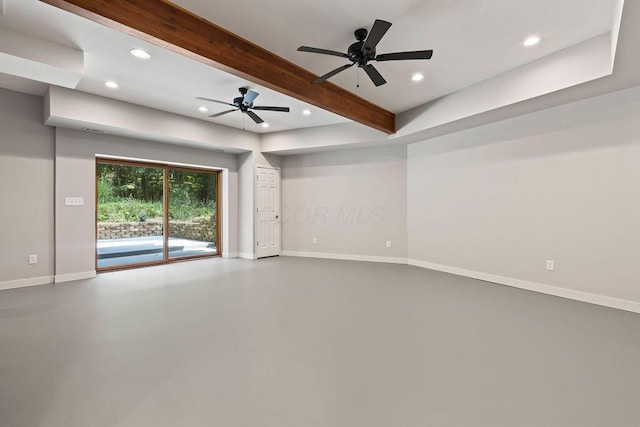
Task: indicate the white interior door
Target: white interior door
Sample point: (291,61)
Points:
(267,212)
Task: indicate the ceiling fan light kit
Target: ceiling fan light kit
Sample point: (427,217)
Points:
(244,103)
(364,50)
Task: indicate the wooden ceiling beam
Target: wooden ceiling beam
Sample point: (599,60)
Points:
(169,26)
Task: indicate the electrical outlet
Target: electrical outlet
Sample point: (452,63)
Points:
(551,265)
(33,259)
(388,243)
(315,240)
(73,201)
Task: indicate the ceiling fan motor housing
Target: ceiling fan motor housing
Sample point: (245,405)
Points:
(356,51)
(238,103)
(358,56)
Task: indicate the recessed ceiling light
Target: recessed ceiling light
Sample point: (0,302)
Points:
(139,53)
(265,125)
(203,109)
(531,41)
(306,112)
(111,84)
(417,77)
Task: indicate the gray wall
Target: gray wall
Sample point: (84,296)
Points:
(245,204)
(26,188)
(352,201)
(75,176)
(563,184)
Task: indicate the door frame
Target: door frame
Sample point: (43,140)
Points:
(255,214)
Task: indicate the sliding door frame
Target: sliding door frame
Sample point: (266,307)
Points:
(166,167)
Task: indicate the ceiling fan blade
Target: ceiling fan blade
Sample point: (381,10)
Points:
(213,100)
(255,117)
(322,51)
(282,109)
(374,75)
(378,30)
(333,73)
(224,112)
(249,97)
(400,56)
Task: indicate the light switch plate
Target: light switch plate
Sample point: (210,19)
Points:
(73,201)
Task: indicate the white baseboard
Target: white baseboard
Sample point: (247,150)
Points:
(229,254)
(348,257)
(23,283)
(61,278)
(533,286)
(246,255)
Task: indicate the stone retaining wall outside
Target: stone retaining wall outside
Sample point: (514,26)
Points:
(203,229)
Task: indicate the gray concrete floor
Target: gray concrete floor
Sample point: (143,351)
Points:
(305,342)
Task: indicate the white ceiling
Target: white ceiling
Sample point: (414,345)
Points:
(168,81)
(472,39)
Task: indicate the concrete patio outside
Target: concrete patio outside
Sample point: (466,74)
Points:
(136,250)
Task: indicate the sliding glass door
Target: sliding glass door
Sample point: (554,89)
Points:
(193,227)
(152,214)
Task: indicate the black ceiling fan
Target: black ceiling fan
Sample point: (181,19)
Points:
(364,50)
(244,103)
